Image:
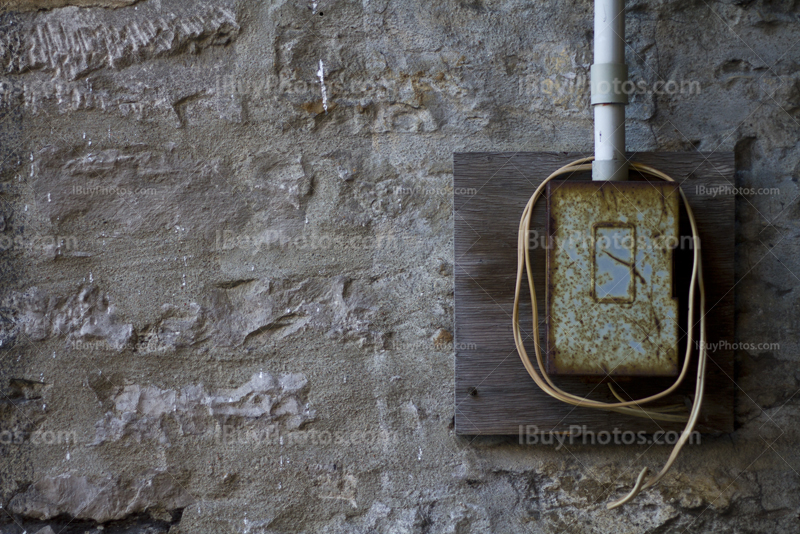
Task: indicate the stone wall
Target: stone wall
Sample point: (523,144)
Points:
(227,267)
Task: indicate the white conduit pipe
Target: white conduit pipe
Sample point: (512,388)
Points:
(608,75)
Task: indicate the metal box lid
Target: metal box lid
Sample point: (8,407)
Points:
(611,305)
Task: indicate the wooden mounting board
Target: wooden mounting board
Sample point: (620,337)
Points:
(494,394)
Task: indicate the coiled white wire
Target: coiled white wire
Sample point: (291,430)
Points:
(626,407)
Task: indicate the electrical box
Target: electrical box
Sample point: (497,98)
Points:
(611,304)
(494,394)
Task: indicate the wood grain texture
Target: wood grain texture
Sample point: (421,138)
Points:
(494,394)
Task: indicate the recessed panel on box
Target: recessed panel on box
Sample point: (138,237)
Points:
(613,272)
(611,307)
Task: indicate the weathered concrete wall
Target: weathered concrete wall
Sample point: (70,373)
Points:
(226,309)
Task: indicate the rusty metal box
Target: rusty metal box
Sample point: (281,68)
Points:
(611,305)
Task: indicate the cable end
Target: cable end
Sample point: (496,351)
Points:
(633,493)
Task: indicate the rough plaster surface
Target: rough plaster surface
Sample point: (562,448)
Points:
(226,309)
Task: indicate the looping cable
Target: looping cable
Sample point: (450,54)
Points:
(633,407)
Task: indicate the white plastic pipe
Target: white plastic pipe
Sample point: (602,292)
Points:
(609,119)
(609,31)
(609,132)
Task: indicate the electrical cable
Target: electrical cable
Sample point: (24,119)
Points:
(632,407)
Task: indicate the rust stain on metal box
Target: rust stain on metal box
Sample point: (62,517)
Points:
(610,304)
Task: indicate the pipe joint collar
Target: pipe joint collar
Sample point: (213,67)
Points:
(608,83)
(613,170)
